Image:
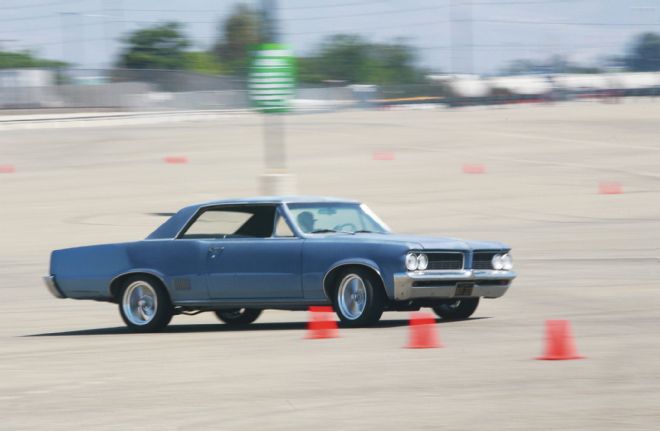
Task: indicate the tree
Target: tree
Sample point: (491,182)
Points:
(15,60)
(355,60)
(162,46)
(236,35)
(344,58)
(644,56)
(203,62)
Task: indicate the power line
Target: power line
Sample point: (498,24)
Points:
(371,13)
(328,6)
(323,6)
(506,46)
(52,27)
(28,18)
(524,2)
(363,29)
(481,20)
(30,6)
(431,8)
(167,10)
(91,24)
(568,23)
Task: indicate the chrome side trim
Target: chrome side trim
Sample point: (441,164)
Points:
(49,280)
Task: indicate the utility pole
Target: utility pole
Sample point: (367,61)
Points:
(72,29)
(106,31)
(63,43)
(461,36)
(469,39)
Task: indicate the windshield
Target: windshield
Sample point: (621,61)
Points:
(335,217)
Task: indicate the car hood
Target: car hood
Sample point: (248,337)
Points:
(439,243)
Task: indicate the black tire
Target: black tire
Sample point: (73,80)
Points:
(456,309)
(373,290)
(238,316)
(160,311)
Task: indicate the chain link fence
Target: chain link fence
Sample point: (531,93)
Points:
(153,90)
(145,89)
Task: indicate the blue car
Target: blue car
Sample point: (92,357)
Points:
(239,257)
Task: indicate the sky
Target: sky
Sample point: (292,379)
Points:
(88,32)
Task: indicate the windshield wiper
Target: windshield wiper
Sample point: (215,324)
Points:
(365,231)
(323,231)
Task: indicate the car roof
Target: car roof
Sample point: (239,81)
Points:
(275,200)
(174,224)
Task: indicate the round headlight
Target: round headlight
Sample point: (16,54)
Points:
(497,262)
(411,262)
(507,262)
(422,262)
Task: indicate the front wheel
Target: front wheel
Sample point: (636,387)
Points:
(358,298)
(238,316)
(456,309)
(145,305)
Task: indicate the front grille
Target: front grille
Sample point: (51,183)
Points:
(483,259)
(445,261)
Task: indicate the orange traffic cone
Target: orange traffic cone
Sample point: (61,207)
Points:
(559,344)
(474,169)
(423,334)
(175,159)
(384,155)
(321,323)
(610,189)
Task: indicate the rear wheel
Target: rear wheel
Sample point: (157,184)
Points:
(238,316)
(456,309)
(145,305)
(358,297)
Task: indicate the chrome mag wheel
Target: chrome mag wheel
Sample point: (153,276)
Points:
(140,303)
(352,296)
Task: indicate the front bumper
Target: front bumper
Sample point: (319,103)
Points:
(52,287)
(452,284)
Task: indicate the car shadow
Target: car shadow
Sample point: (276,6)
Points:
(219,327)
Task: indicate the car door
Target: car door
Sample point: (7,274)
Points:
(256,269)
(246,256)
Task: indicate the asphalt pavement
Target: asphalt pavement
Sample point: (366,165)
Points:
(574,188)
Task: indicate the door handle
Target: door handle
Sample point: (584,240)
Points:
(214,251)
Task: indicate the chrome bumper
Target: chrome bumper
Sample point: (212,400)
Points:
(52,287)
(412,285)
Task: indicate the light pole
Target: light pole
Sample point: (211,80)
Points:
(276,180)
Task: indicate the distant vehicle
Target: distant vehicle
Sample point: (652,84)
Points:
(239,257)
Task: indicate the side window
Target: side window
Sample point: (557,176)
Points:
(240,221)
(282,228)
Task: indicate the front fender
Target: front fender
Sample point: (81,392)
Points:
(351,262)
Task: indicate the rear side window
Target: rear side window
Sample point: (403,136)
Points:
(241,221)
